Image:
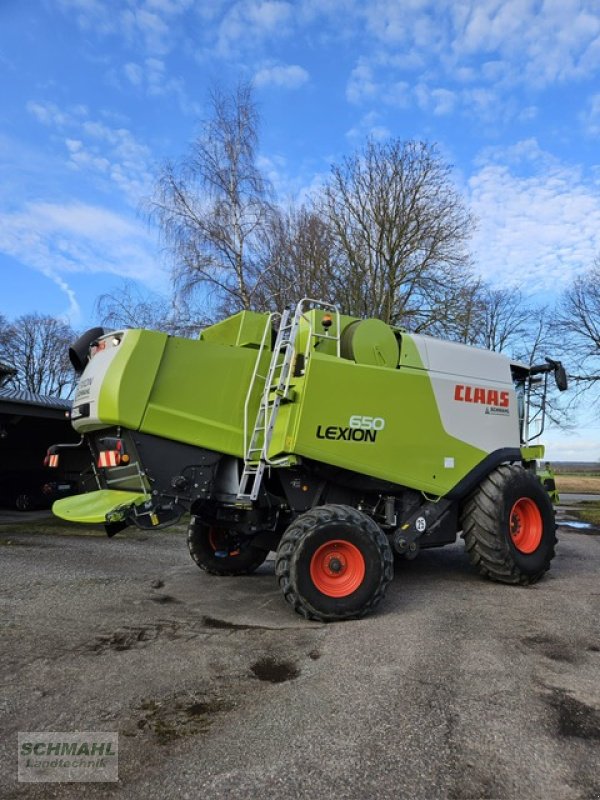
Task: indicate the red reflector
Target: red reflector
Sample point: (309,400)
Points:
(109,458)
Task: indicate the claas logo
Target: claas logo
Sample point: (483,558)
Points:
(476,394)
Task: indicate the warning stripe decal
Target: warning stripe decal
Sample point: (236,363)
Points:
(109,458)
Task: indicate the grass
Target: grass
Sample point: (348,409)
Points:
(589,512)
(576,483)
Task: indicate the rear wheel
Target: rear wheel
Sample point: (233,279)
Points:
(509,527)
(334,563)
(24,502)
(219,552)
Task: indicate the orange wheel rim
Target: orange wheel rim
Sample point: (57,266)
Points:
(217,539)
(213,538)
(337,568)
(526,525)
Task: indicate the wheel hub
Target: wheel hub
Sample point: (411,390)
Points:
(526,525)
(335,565)
(337,568)
(221,544)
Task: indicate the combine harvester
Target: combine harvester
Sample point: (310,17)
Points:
(332,440)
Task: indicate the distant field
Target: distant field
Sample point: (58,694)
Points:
(576,467)
(578,483)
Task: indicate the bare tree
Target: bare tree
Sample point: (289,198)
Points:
(504,320)
(401,231)
(480,315)
(298,259)
(579,321)
(213,208)
(37,348)
(4,330)
(6,371)
(457,315)
(129,306)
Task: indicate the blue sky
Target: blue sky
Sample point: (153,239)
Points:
(96,94)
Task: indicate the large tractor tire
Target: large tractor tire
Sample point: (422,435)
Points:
(217,552)
(334,563)
(509,527)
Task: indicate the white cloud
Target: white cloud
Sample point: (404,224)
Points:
(249,22)
(148,23)
(369,126)
(491,41)
(50,114)
(290,76)
(567,447)
(47,113)
(398,95)
(591,116)
(392,22)
(438,101)
(472,56)
(59,239)
(111,153)
(539,219)
(170,7)
(362,86)
(153,29)
(153,78)
(293,183)
(543,44)
(133,73)
(373,81)
(83,159)
(73,313)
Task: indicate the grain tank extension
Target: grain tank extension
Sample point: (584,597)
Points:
(337,442)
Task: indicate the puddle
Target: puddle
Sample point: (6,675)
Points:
(579,526)
(268,669)
(131,637)
(223,624)
(575,719)
(176,716)
(163,598)
(551,648)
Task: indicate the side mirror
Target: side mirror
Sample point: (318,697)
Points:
(560,376)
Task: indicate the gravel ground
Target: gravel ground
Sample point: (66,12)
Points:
(455,688)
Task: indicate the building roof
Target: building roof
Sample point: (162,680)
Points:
(21,401)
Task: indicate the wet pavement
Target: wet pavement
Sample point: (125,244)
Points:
(455,688)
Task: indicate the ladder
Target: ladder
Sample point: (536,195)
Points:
(275,391)
(276,388)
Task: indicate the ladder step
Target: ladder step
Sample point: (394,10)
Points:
(275,390)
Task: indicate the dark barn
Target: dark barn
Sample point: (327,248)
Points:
(29,424)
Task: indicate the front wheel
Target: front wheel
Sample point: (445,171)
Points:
(219,552)
(509,527)
(334,563)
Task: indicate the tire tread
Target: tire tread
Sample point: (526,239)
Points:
(486,549)
(300,529)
